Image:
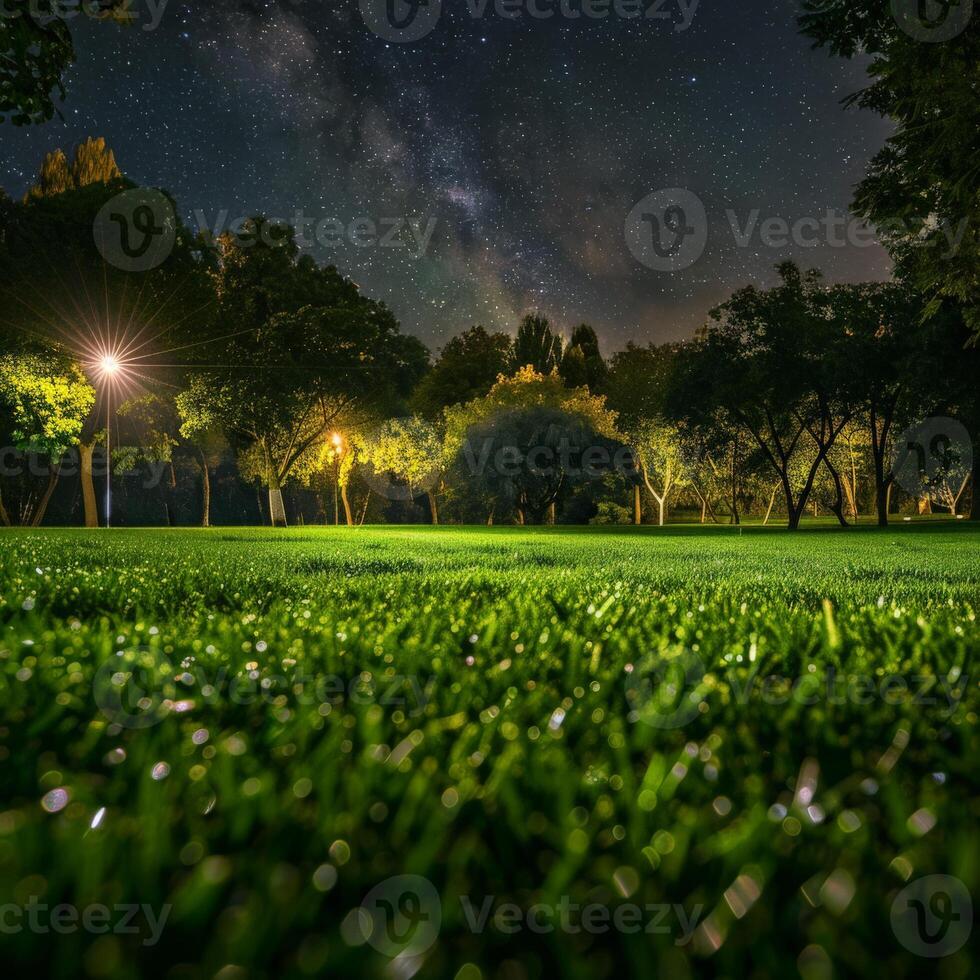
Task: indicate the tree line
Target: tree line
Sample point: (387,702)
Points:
(255,385)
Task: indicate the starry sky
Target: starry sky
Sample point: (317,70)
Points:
(527,141)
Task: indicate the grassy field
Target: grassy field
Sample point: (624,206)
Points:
(690,752)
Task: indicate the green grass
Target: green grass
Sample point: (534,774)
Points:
(532,757)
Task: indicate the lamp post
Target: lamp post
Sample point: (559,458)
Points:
(109,366)
(338,443)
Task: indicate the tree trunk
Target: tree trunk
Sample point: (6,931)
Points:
(882,496)
(4,516)
(736,517)
(490,519)
(956,500)
(42,507)
(879,446)
(348,515)
(85,453)
(433,507)
(638,505)
(974,483)
(205,493)
(277,509)
(852,486)
(772,503)
(661,499)
(661,510)
(172,495)
(551,517)
(837,507)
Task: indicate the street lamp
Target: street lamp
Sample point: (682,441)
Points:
(338,442)
(109,366)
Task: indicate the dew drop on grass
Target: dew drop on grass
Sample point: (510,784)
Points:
(56,799)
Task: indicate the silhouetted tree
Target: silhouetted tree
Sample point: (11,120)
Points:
(536,345)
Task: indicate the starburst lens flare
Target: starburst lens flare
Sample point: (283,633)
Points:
(111,367)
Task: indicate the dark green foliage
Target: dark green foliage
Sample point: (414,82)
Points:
(36,51)
(466,368)
(582,365)
(536,345)
(921,188)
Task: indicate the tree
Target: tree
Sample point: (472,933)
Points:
(637,383)
(467,368)
(529,440)
(771,363)
(307,349)
(36,51)
(93,163)
(527,457)
(46,397)
(656,445)
(582,365)
(920,190)
(410,450)
(56,286)
(850,460)
(148,433)
(536,345)
(892,362)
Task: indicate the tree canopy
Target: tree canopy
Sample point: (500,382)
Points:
(921,188)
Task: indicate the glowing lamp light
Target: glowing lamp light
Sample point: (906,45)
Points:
(110,369)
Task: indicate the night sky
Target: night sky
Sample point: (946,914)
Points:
(528,141)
